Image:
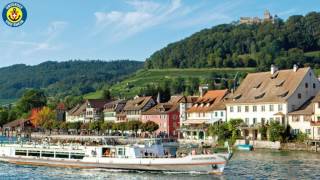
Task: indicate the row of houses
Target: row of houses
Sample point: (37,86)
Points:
(290,97)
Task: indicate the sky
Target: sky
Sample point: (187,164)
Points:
(61,30)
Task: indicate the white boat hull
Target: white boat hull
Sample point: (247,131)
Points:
(185,164)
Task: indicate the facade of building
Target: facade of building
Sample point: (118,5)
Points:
(208,109)
(306,119)
(267,96)
(90,110)
(166,115)
(113,111)
(135,107)
(186,103)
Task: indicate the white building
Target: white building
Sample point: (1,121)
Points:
(267,96)
(113,111)
(307,119)
(90,110)
(208,109)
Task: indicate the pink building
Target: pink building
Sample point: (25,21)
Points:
(166,115)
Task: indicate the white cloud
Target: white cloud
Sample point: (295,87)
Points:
(145,14)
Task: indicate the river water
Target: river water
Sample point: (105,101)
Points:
(258,164)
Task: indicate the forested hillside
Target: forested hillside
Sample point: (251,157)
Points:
(231,45)
(63,78)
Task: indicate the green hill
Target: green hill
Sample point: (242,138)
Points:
(228,45)
(60,79)
(154,77)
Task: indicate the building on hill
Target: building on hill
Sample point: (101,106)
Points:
(266,96)
(90,110)
(267,17)
(208,109)
(135,107)
(18,126)
(113,111)
(166,115)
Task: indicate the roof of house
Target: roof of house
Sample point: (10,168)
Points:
(97,103)
(116,105)
(305,109)
(78,110)
(137,104)
(189,99)
(212,100)
(15,123)
(267,87)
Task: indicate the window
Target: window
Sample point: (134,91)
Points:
(280,107)
(318,118)
(239,108)
(318,130)
(199,115)
(231,108)
(254,120)
(263,120)
(263,108)
(296,131)
(295,118)
(203,114)
(271,107)
(246,108)
(306,85)
(221,113)
(247,121)
(254,108)
(216,114)
(314,85)
(318,104)
(308,131)
(299,95)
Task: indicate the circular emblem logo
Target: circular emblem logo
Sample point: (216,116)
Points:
(14,14)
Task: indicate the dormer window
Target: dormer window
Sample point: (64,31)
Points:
(280,84)
(258,85)
(274,76)
(238,96)
(260,96)
(283,94)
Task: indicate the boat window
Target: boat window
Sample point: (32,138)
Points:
(106,152)
(77,155)
(21,153)
(121,152)
(34,153)
(62,155)
(47,154)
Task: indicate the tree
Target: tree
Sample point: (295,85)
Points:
(30,99)
(44,115)
(106,94)
(106,126)
(276,131)
(134,126)
(94,126)
(233,127)
(149,126)
(74,125)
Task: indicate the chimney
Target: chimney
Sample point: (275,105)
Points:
(203,89)
(158,98)
(295,68)
(273,69)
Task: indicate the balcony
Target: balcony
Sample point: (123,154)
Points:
(315,123)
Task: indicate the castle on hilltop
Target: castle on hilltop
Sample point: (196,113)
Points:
(256,20)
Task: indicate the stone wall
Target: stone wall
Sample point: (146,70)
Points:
(261,144)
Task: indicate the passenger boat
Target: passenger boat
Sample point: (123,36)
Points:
(150,156)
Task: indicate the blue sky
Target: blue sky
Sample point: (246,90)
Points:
(61,30)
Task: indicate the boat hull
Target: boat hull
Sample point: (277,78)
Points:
(151,164)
